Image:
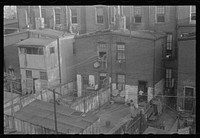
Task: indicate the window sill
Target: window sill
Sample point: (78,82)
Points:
(99,23)
(74,23)
(160,23)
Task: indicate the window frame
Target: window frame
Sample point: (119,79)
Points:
(124,52)
(56,15)
(122,83)
(27,73)
(74,16)
(136,14)
(169,42)
(96,18)
(42,76)
(185,96)
(156,14)
(192,21)
(168,80)
(44,15)
(114,14)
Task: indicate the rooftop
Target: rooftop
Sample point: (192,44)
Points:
(7,96)
(42,113)
(35,42)
(50,32)
(144,34)
(115,113)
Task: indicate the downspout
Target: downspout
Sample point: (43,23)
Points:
(59,62)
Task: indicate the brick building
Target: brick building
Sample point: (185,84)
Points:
(130,63)
(186,91)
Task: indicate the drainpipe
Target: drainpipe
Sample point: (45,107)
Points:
(59,62)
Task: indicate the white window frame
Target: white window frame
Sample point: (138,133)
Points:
(134,9)
(113,13)
(121,83)
(96,16)
(184,94)
(74,16)
(156,12)
(192,21)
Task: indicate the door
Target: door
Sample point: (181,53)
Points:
(142,92)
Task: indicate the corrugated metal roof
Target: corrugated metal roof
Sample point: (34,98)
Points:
(153,130)
(42,113)
(35,42)
(50,32)
(144,34)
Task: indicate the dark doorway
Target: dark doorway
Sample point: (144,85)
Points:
(142,92)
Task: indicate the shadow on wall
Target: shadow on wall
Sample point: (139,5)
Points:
(11,58)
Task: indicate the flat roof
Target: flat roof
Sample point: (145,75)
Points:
(35,42)
(143,34)
(7,96)
(153,130)
(42,113)
(115,113)
(50,32)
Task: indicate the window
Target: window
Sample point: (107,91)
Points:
(121,82)
(44,15)
(31,50)
(192,14)
(168,82)
(121,51)
(113,13)
(189,98)
(43,75)
(102,79)
(28,74)
(91,81)
(160,14)
(52,50)
(169,41)
(57,16)
(102,49)
(99,15)
(137,14)
(74,16)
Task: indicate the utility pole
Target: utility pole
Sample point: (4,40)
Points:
(54,98)
(11,70)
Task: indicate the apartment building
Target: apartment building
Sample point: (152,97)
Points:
(131,63)
(186,89)
(44,59)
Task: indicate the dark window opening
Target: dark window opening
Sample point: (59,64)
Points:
(28,74)
(120,82)
(43,75)
(189,98)
(138,19)
(160,18)
(52,50)
(57,16)
(32,50)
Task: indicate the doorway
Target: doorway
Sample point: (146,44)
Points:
(142,92)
